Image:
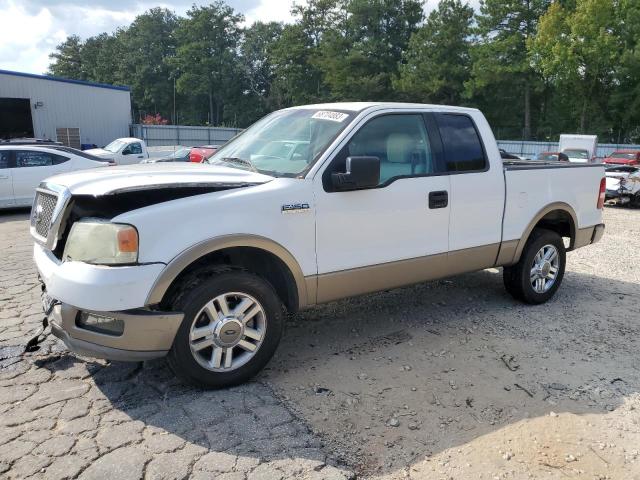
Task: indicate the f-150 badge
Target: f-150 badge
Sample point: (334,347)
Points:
(295,208)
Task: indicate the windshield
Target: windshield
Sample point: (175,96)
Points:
(576,153)
(115,146)
(285,143)
(80,153)
(626,156)
(180,153)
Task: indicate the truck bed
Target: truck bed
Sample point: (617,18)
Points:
(531,186)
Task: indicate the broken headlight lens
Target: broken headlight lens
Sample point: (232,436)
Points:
(101,243)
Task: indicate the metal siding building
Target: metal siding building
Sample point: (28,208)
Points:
(101,112)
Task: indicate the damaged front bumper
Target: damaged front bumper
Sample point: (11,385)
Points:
(132,335)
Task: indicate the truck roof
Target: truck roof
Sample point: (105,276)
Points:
(360,106)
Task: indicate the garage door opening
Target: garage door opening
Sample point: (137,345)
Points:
(15,118)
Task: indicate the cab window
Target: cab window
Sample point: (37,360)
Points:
(401,143)
(463,149)
(133,149)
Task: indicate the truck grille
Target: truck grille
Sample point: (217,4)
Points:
(42,213)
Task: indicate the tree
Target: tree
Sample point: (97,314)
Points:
(500,59)
(361,56)
(624,102)
(578,51)
(437,62)
(67,59)
(298,78)
(255,58)
(101,56)
(150,44)
(207,55)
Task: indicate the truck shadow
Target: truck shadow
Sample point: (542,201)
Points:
(14,214)
(384,381)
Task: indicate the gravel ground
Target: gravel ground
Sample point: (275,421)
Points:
(448,379)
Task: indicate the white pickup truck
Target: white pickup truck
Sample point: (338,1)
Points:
(123,151)
(199,262)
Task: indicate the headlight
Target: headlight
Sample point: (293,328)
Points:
(101,242)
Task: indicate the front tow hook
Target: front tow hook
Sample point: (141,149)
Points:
(32,345)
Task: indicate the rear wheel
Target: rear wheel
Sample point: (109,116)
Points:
(539,273)
(231,328)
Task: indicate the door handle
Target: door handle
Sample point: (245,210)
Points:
(4,177)
(439,199)
(140,156)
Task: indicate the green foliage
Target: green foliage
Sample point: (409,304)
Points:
(206,60)
(361,54)
(67,59)
(437,61)
(150,45)
(536,68)
(501,62)
(578,50)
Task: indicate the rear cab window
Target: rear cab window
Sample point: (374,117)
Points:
(463,149)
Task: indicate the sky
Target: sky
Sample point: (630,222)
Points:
(31,29)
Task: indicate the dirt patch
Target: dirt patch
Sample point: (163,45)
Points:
(450,378)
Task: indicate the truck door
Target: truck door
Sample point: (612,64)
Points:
(476,194)
(132,153)
(6,185)
(390,235)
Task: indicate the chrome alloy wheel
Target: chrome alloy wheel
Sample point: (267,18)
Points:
(545,268)
(227,332)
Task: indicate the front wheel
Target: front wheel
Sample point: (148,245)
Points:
(538,274)
(231,328)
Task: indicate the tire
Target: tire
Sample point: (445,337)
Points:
(520,278)
(510,285)
(210,330)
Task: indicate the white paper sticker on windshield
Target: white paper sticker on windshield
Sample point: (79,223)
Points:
(327,115)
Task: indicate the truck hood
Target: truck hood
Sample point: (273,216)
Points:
(100,152)
(154,176)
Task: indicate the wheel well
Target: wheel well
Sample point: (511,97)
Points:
(558,221)
(255,260)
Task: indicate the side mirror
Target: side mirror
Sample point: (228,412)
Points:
(362,172)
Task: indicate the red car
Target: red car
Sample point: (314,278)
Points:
(624,157)
(200,154)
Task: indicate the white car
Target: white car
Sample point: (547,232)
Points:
(198,262)
(123,151)
(23,167)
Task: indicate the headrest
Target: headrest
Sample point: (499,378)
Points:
(399,148)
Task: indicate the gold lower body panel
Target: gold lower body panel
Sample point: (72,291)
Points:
(358,281)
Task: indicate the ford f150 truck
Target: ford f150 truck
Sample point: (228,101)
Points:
(199,262)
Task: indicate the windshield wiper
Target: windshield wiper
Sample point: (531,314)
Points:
(240,161)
